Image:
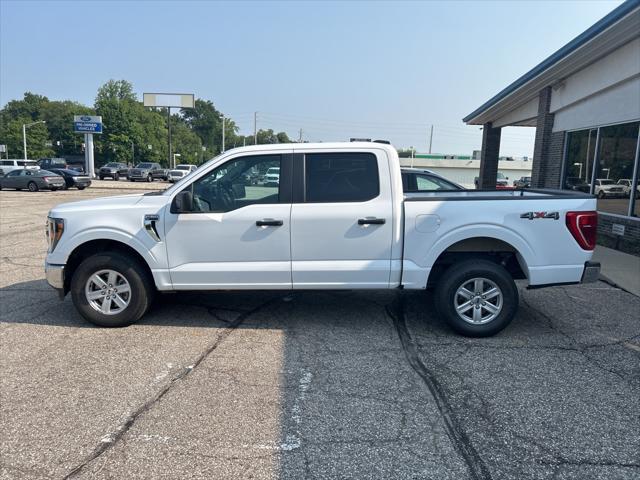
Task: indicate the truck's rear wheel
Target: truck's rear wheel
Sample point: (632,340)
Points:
(111,290)
(478,298)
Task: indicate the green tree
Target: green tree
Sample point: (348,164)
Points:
(37,139)
(117,104)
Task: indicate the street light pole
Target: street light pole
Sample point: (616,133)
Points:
(174,159)
(223,120)
(24,135)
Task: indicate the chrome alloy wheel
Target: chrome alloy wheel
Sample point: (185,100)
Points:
(478,301)
(108,292)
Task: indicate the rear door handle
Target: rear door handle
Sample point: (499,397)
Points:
(371,221)
(269,223)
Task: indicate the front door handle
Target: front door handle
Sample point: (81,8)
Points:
(371,221)
(269,223)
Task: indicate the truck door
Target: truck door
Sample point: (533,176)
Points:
(237,234)
(341,219)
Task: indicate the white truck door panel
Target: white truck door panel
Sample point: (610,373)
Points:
(329,247)
(245,248)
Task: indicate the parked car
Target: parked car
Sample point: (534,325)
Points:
(416,180)
(502,182)
(113,170)
(32,180)
(336,219)
(148,172)
(8,165)
(48,163)
(522,182)
(73,178)
(77,168)
(577,184)
(625,183)
(180,172)
(272,177)
(605,188)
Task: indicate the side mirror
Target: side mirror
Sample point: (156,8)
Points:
(182,202)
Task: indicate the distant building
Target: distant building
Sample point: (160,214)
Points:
(584,101)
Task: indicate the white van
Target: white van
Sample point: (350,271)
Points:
(7,165)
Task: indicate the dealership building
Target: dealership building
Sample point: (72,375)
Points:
(584,101)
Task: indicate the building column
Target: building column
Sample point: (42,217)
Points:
(541,170)
(489,156)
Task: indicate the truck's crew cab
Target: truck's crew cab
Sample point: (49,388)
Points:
(336,219)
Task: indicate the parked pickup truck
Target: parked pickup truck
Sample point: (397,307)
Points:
(148,172)
(336,219)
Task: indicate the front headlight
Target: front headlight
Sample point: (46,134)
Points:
(55,229)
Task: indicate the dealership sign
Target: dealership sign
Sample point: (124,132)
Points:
(87,124)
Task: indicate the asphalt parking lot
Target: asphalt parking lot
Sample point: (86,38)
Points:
(308,384)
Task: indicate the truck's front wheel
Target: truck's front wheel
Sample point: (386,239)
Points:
(111,290)
(478,298)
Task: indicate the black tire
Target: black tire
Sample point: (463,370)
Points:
(142,289)
(455,276)
(53,189)
(32,186)
(149,178)
(101,177)
(116,177)
(132,180)
(81,188)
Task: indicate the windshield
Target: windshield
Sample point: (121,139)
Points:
(273,171)
(183,167)
(44,172)
(606,182)
(111,165)
(22,163)
(144,165)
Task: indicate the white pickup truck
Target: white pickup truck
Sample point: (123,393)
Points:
(336,219)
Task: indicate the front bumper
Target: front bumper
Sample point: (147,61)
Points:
(591,272)
(55,277)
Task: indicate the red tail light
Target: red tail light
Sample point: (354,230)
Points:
(584,228)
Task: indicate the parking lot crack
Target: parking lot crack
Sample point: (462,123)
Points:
(459,438)
(112,438)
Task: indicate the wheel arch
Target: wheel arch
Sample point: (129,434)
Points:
(91,247)
(508,250)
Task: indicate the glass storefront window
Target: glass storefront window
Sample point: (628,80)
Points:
(614,171)
(613,179)
(581,148)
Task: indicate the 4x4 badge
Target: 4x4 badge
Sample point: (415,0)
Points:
(535,215)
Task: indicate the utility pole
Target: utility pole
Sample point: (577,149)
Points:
(430,138)
(24,135)
(223,119)
(300,137)
(169,127)
(24,140)
(255,128)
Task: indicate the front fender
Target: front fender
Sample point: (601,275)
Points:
(146,247)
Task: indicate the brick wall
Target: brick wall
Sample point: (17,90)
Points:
(629,243)
(540,171)
(489,156)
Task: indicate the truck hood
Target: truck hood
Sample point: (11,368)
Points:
(103,203)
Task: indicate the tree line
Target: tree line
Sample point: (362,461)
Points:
(132,133)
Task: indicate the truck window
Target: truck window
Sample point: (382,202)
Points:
(237,184)
(341,177)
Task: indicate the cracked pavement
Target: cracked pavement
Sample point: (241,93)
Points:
(309,384)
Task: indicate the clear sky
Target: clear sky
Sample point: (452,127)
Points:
(335,69)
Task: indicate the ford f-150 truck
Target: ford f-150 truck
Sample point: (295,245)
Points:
(336,219)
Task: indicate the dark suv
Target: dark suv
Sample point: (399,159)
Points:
(49,163)
(148,171)
(114,170)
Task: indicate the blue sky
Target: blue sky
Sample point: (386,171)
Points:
(335,69)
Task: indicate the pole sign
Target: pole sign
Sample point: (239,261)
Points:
(87,124)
